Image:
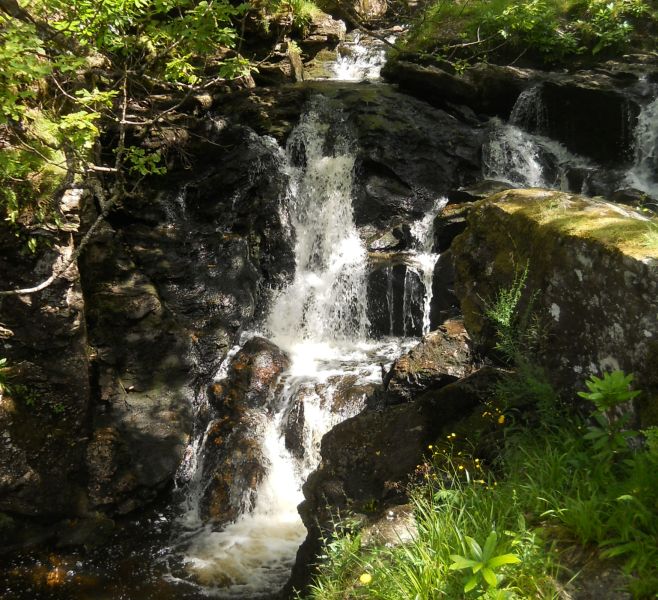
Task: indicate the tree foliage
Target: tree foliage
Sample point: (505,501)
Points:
(73,69)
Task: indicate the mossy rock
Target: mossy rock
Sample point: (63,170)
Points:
(592,280)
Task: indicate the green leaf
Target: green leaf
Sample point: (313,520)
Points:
(503,559)
(461,562)
(471,584)
(489,546)
(489,577)
(476,550)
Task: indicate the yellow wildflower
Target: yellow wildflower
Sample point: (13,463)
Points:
(365,578)
(501,419)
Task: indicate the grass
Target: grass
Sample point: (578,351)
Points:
(546,495)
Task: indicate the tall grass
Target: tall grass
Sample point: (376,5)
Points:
(545,496)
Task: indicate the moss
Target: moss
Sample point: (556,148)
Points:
(609,224)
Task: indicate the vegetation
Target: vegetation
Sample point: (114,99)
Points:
(545,30)
(75,96)
(519,517)
(545,506)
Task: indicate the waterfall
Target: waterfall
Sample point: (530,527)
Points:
(644,172)
(320,320)
(524,159)
(327,299)
(360,57)
(424,258)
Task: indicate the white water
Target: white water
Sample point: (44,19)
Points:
(524,159)
(360,58)
(424,259)
(644,173)
(320,320)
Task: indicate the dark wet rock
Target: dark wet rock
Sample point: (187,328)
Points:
(44,414)
(592,272)
(233,465)
(477,191)
(168,282)
(443,356)
(488,89)
(252,376)
(233,460)
(409,154)
(635,198)
(572,111)
(395,298)
(445,304)
(448,224)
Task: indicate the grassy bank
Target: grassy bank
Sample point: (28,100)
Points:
(521,525)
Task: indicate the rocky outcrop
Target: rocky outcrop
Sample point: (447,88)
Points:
(168,282)
(592,280)
(488,89)
(368,459)
(443,356)
(409,154)
(233,462)
(323,30)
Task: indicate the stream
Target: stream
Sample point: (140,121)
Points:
(320,320)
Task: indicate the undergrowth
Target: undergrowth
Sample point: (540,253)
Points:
(548,30)
(545,496)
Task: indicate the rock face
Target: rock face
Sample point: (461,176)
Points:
(43,416)
(368,459)
(592,271)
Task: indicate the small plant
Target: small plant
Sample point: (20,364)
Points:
(608,434)
(516,334)
(483,562)
(609,391)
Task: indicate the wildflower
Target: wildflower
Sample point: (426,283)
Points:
(461,467)
(365,578)
(430,446)
(501,420)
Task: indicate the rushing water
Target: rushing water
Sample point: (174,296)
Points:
(360,57)
(644,173)
(321,321)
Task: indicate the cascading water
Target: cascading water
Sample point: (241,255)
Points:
(360,57)
(320,320)
(424,259)
(644,173)
(527,160)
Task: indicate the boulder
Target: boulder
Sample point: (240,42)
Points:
(445,304)
(448,224)
(323,30)
(485,88)
(443,356)
(233,460)
(252,376)
(592,280)
(233,465)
